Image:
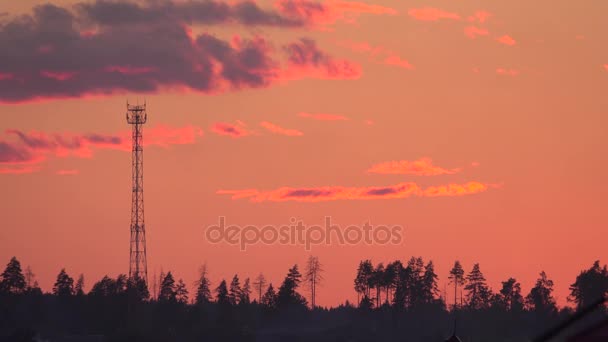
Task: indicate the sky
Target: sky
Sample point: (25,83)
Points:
(477,126)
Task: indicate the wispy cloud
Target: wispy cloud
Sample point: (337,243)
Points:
(24,152)
(480,16)
(420,167)
(333,193)
(506,40)
(237,130)
(323,117)
(307,60)
(474,31)
(378,54)
(280,130)
(71,172)
(329,12)
(507,71)
(432,14)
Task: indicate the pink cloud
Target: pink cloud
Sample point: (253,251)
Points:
(333,193)
(72,172)
(280,130)
(431,14)
(25,151)
(420,167)
(606,66)
(379,54)
(306,60)
(480,16)
(58,76)
(507,72)
(329,12)
(397,61)
(323,117)
(234,131)
(128,70)
(474,31)
(506,40)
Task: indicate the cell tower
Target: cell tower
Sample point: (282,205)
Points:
(138,268)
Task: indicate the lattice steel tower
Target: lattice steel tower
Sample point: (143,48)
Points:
(138,269)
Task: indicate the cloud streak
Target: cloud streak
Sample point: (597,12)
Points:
(24,152)
(420,167)
(329,12)
(305,59)
(432,14)
(334,193)
(323,117)
(280,130)
(232,130)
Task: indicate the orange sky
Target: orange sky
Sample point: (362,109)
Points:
(510,95)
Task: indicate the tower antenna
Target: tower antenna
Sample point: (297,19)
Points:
(138,268)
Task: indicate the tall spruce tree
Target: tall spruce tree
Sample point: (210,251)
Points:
(13,281)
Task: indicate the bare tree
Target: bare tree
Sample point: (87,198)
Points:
(313,277)
(259,284)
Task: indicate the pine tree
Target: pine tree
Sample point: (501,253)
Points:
(457,278)
(235,290)
(136,287)
(540,298)
(245,293)
(64,286)
(429,283)
(259,284)
(478,292)
(79,288)
(590,285)
(222,293)
(181,292)
(203,291)
(509,298)
(288,295)
(313,276)
(269,300)
(13,281)
(167,289)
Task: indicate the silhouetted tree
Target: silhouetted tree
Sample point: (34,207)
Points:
(259,285)
(136,288)
(590,285)
(456,277)
(429,283)
(509,298)
(245,293)
(313,276)
(203,291)
(478,292)
(181,292)
(30,278)
(363,279)
(167,291)
(79,287)
(288,295)
(269,300)
(13,281)
(64,286)
(235,290)
(221,293)
(540,298)
(390,275)
(378,281)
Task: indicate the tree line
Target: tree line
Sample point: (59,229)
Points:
(402,298)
